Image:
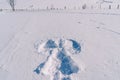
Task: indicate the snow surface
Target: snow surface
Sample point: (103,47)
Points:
(98,34)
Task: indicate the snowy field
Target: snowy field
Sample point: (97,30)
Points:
(98,34)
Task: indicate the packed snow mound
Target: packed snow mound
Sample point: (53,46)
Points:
(59,65)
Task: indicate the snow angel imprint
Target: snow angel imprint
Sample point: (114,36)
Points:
(59,65)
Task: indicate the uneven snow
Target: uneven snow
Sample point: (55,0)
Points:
(59,64)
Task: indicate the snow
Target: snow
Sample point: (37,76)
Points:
(98,34)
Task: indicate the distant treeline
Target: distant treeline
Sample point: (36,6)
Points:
(83,7)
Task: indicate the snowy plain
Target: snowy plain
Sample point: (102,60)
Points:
(98,34)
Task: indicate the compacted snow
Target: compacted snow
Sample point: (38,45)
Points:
(23,55)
